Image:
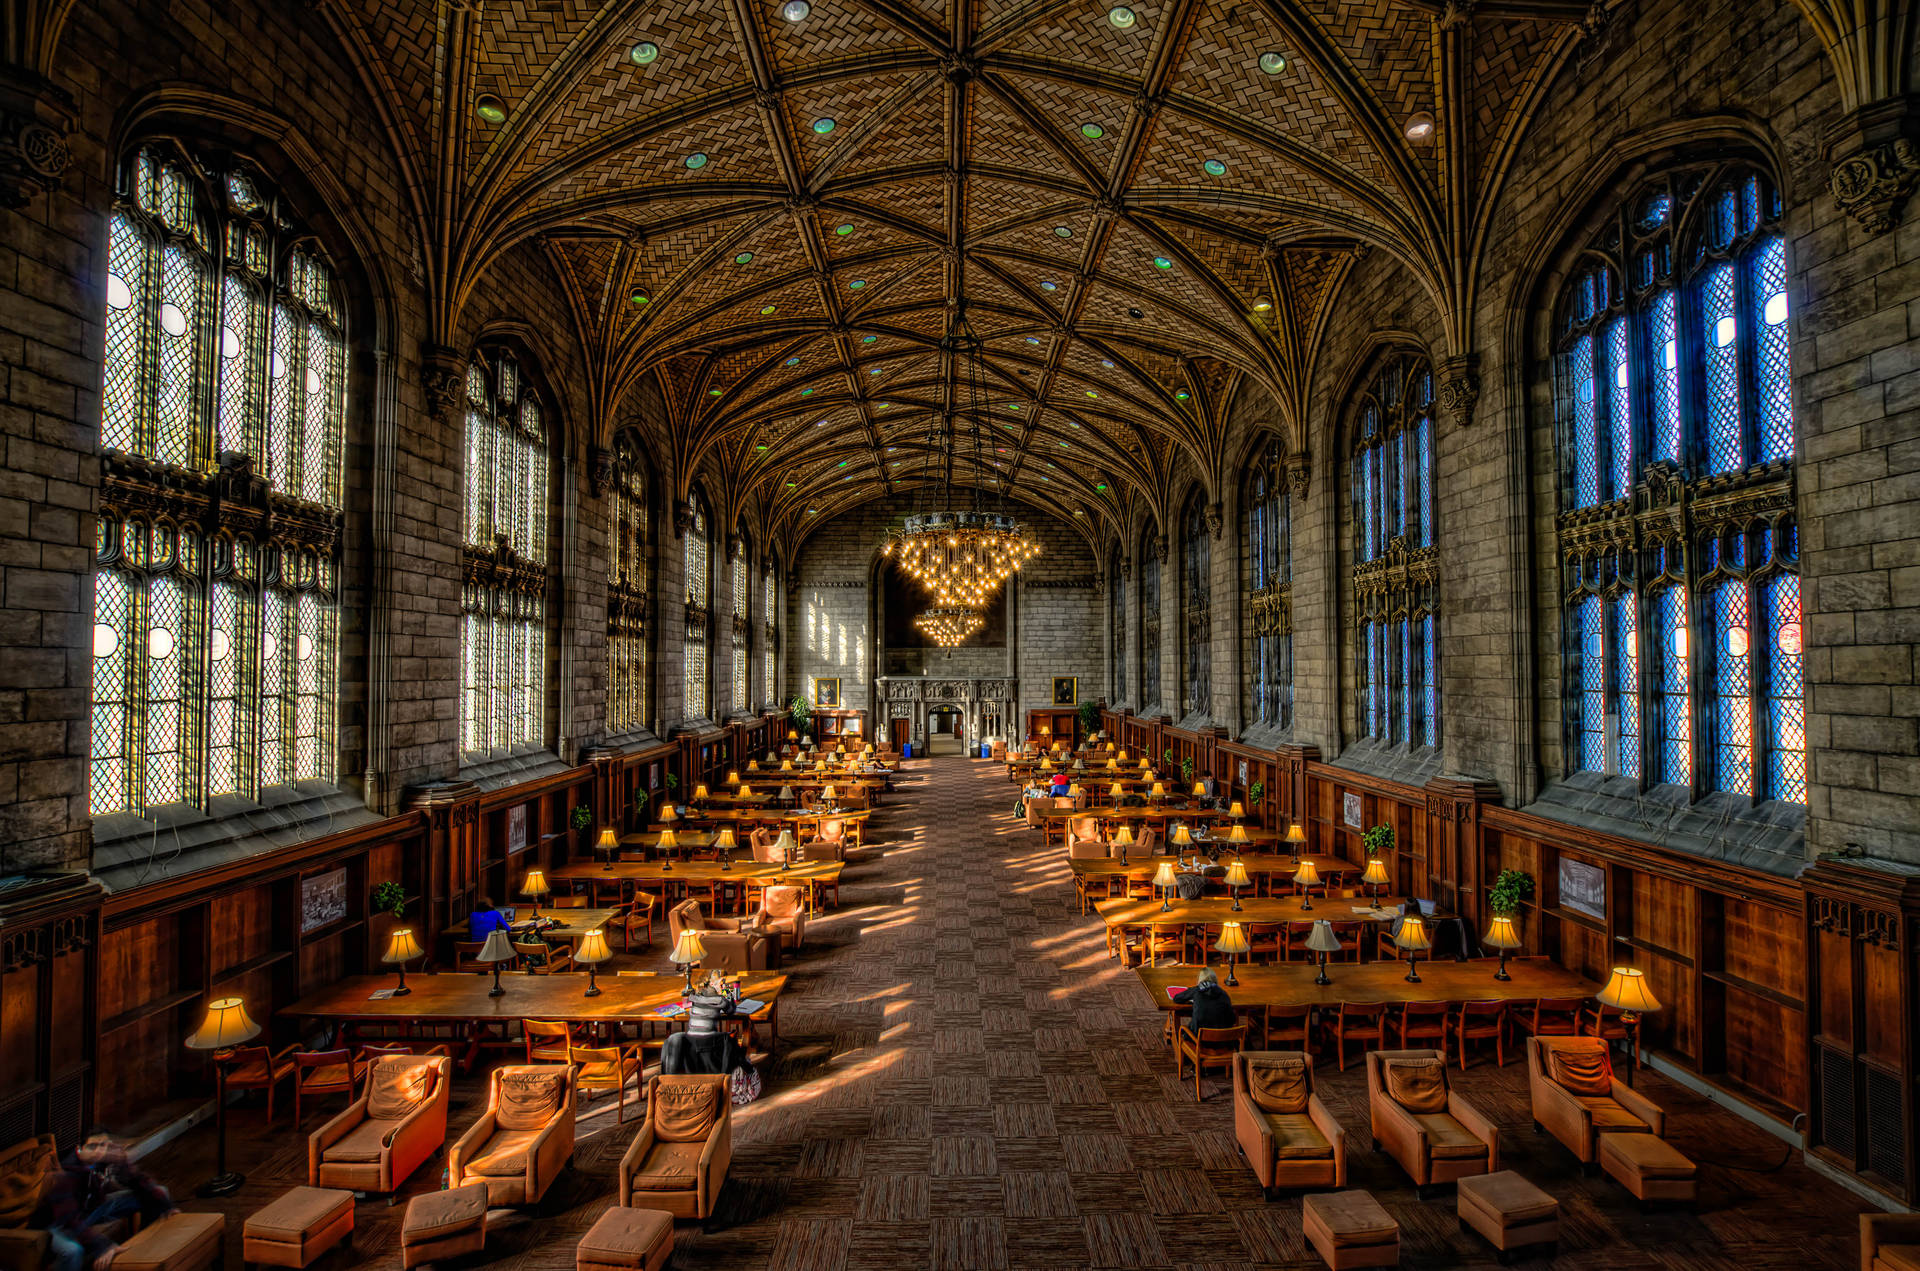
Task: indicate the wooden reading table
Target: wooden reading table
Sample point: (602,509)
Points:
(813,875)
(574,924)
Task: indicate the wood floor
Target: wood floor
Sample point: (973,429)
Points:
(966,1082)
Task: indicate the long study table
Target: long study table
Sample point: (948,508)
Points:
(812,875)
(1291,983)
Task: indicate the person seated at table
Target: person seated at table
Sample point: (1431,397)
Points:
(85,1203)
(1212,1008)
(1062,782)
(485,920)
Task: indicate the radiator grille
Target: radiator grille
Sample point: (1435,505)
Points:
(1886,1128)
(67,1105)
(1836,1102)
(16,1122)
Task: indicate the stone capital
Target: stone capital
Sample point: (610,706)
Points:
(35,118)
(1875,162)
(1459,388)
(599,470)
(443,380)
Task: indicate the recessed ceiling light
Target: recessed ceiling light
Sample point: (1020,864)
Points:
(490,108)
(743,258)
(795,10)
(759,447)
(868,339)
(843,230)
(1261,304)
(1108,362)
(1091,393)
(713,392)
(1063,231)
(806,392)
(637,298)
(1180,396)
(766,309)
(1033,339)
(1092,132)
(1273,63)
(1121,16)
(1101,486)
(1135,313)
(873,370)
(823,126)
(1419,126)
(644,53)
(856,284)
(696,160)
(793,361)
(1214,168)
(1048,284)
(1161,262)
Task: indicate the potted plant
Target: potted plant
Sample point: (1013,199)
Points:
(1509,892)
(1377,840)
(1166,757)
(1186,772)
(1089,719)
(390,898)
(1256,792)
(800,711)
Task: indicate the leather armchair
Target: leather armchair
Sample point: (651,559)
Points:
(24,1248)
(1289,1137)
(524,1138)
(783,915)
(1595,1103)
(1889,1242)
(1435,1133)
(679,1160)
(399,1121)
(732,944)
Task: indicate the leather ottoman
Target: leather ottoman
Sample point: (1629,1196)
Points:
(627,1240)
(297,1228)
(178,1242)
(1508,1210)
(1648,1166)
(1349,1229)
(442,1225)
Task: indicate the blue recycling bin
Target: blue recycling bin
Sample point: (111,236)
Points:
(986,750)
(906,750)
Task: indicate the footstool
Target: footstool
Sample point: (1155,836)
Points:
(445,1224)
(1648,1166)
(1508,1210)
(296,1229)
(1349,1229)
(627,1240)
(178,1242)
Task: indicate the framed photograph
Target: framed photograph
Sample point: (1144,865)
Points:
(1243,774)
(1583,888)
(323,900)
(1352,810)
(826,692)
(653,776)
(516,827)
(1066,690)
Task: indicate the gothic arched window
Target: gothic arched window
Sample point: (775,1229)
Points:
(1117,592)
(628,576)
(223,403)
(1196,607)
(742,631)
(1395,564)
(1674,398)
(699,628)
(503,646)
(1270,601)
(1149,619)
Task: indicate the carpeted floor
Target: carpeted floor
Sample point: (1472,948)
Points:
(966,1082)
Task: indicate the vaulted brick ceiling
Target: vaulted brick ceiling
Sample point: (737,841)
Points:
(1136,221)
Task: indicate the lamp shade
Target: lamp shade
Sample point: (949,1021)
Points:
(724,839)
(786,792)
(687,949)
(786,765)
(1046,730)
(1238,834)
(733,778)
(1199,789)
(1233,938)
(792,735)
(768,759)
(1116,792)
(746,791)
(829,794)
(668,814)
(498,948)
(1501,933)
(402,947)
(1073,789)
(820,765)
(593,947)
(1079,765)
(1308,875)
(785,842)
(867,749)
(607,841)
(1237,875)
(535,884)
(1113,765)
(700,791)
(1322,939)
(1109,747)
(227,1024)
(668,839)
(1237,810)
(1145,763)
(1182,835)
(1159,790)
(1376,875)
(1164,877)
(1412,935)
(1125,836)
(753,765)
(1627,991)
(1295,834)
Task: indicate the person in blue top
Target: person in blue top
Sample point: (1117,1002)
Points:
(486,920)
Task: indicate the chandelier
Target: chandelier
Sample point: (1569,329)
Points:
(948,626)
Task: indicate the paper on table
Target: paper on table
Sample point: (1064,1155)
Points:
(1175,989)
(380,995)
(748,1005)
(672,1010)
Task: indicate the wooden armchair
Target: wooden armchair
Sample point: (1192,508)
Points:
(1361,1022)
(679,1160)
(1480,1022)
(1289,1137)
(1889,1242)
(1435,1134)
(1609,1024)
(783,915)
(607,1068)
(1208,1048)
(1422,1023)
(548,1041)
(731,944)
(524,1138)
(259,1068)
(638,914)
(387,1133)
(323,1072)
(541,958)
(1576,1099)
(1547,1017)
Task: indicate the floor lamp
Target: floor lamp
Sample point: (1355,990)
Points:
(227,1025)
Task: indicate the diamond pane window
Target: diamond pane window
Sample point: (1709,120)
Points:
(1117,622)
(1270,619)
(770,614)
(1675,739)
(1619,383)
(1585,442)
(1786,706)
(698,626)
(1663,375)
(1720,339)
(1592,682)
(1150,689)
(1626,682)
(1197,605)
(1773,396)
(1732,690)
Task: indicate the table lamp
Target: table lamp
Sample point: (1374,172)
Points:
(792,735)
(733,778)
(227,1025)
(1182,836)
(688,952)
(1079,765)
(535,886)
(497,951)
(1146,764)
(784,845)
(786,765)
(1322,941)
(1296,839)
(807,741)
(1159,791)
(724,844)
(1116,792)
(1236,879)
(1163,879)
(1046,730)
(1123,840)
(668,814)
(867,749)
(1237,810)
(1123,755)
(1376,875)
(402,948)
(1199,789)
(1504,936)
(593,951)
(829,794)
(746,791)
(1413,937)
(700,793)
(1627,992)
(1113,765)
(1238,834)
(1233,940)
(785,795)
(820,765)
(1306,878)
(753,765)
(667,843)
(607,844)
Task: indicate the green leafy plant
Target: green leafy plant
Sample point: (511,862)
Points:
(1089,718)
(1510,888)
(800,711)
(1257,791)
(1377,840)
(1186,770)
(582,816)
(673,783)
(390,898)
(1166,756)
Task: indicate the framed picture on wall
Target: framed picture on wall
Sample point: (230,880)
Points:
(516,827)
(1066,690)
(1351,810)
(1243,773)
(826,692)
(323,900)
(1583,888)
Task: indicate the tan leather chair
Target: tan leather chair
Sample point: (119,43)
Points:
(1087,850)
(398,1122)
(1577,1100)
(1435,1134)
(679,1160)
(1289,1137)
(731,943)
(783,915)
(23,1169)
(524,1138)
(1890,1242)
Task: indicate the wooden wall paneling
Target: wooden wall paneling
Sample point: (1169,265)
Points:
(20,1005)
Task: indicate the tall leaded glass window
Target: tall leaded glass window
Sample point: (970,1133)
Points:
(769,610)
(698,628)
(223,403)
(1196,596)
(1117,593)
(1395,570)
(1149,620)
(1676,439)
(742,632)
(503,639)
(628,590)
(1270,601)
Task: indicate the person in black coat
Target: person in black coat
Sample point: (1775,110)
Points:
(1212,1008)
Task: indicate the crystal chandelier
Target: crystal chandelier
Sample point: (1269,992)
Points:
(948,626)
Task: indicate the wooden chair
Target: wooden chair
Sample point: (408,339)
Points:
(1265,941)
(258,1068)
(1480,1022)
(607,1068)
(548,1041)
(1290,1028)
(609,892)
(325,1072)
(638,913)
(1598,1020)
(541,958)
(1153,941)
(1423,1023)
(1358,1022)
(1209,1048)
(569,901)
(1352,936)
(1548,1017)
(1297,933)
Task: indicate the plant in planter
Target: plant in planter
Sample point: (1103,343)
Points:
(1089,718)
(1256,792)
(1186,771)
(1510,889)
(1377,840)
(581,817)
(390,898)
(1166,757)
(800,712)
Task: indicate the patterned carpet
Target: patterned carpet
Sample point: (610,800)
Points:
(965,1082)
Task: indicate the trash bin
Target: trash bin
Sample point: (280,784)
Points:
(906,750)
(986,750)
